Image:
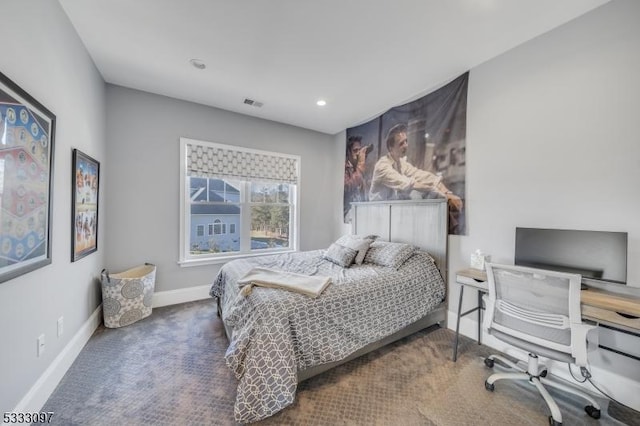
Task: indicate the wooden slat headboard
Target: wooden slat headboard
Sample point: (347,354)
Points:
(422,223)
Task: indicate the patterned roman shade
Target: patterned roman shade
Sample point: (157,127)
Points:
(227,162)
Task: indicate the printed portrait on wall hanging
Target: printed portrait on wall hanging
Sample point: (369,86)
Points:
(413,151)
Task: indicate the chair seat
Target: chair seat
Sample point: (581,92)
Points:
(532,347)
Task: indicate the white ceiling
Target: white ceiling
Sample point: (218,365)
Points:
(362,56)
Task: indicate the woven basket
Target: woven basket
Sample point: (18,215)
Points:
(127,296)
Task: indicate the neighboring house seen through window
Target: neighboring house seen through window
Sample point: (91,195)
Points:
(246,198)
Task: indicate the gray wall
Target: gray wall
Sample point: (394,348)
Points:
(143,207)
(553,136)
(42,54)
(552,141)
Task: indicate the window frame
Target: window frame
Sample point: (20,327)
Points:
(187,259)
(218,222)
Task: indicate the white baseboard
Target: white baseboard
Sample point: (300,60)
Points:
(623,389)
(183,295)
(37,396)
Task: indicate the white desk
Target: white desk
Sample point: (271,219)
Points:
(600,306)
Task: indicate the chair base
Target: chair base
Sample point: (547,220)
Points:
(537,377)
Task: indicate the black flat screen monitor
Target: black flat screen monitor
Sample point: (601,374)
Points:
(596,255)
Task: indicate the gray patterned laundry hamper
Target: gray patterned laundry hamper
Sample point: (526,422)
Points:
(127,296)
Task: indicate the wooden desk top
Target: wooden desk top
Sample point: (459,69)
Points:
(476,274)
(610,301)
(599,305)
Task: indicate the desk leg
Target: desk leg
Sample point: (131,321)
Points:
(455,343)
(479,317)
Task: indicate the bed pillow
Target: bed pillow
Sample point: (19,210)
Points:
(388,254)
(356,242)
(340,255)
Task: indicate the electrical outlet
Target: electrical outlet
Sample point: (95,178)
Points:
(40,345)
(60,326)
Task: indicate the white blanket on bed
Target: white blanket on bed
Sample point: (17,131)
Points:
(299,283)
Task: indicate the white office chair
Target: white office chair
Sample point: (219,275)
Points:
(538,311)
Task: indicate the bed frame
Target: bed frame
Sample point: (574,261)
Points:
(422,223)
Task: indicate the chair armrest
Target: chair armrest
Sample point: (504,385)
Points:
(584,338)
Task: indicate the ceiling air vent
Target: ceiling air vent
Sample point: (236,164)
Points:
(253,103)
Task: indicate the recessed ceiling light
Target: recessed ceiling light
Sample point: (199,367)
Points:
(321,102)
(198,63)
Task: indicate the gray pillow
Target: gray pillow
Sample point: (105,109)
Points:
(361,244)
(392,255)
(340,255)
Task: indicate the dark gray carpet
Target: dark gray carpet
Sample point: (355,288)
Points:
(169,369)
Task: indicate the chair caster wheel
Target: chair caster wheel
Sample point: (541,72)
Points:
(553,422)
(592,411)
(488,362)
(489,386)
(544,373)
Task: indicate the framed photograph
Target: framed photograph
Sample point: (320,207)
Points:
(27,132)
(84,220)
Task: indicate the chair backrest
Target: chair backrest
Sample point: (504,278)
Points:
(535,306)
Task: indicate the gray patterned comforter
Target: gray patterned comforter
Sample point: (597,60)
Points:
(277,332)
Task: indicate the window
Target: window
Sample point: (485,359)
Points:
(270,212)
(217,227)
(246,198)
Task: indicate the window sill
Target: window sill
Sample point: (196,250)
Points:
(187,263)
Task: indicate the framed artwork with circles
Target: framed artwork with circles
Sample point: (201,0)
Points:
(27,132)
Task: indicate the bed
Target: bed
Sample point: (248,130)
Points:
(279,338)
